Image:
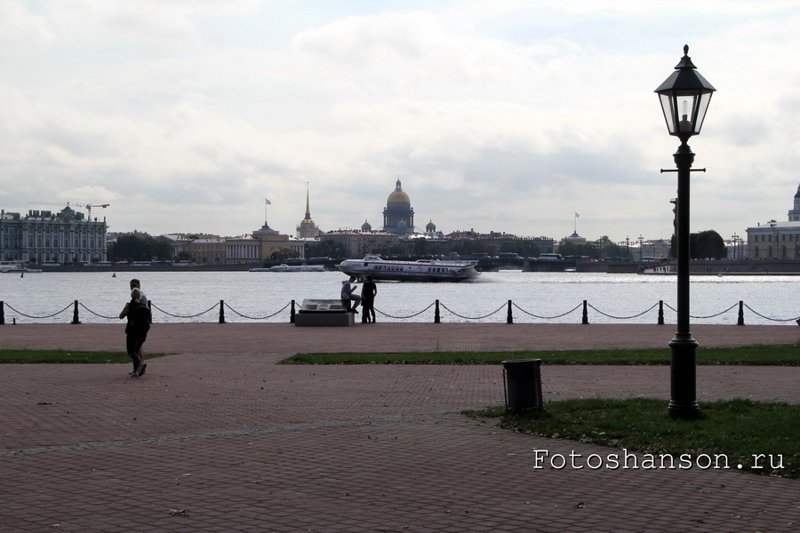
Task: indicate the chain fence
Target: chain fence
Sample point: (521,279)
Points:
(221,305)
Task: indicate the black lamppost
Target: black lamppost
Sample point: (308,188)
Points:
(684,98)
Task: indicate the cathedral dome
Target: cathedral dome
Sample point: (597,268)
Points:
(366,227)
(398,196)
(430,227)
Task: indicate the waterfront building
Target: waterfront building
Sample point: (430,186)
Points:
(242,250)
(275,246)
(356,244)
(207,250)
(398,215)
(794,213)
(776,240)
(307,228)
(52,237)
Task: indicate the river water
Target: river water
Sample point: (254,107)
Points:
(536,297)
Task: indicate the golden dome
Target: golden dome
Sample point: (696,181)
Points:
(398,196)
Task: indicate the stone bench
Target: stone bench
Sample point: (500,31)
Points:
(323,313)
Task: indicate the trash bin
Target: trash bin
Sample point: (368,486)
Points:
(523,384)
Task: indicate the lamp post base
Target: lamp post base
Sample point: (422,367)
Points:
(683,403)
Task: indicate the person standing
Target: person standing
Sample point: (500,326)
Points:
(138,315)
(368,292)
(348,295)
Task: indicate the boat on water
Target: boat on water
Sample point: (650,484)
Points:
(13,267)
(419,270)
(660,270)
(290,268)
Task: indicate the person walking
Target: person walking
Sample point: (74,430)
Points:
(368,292)
(136,284)
(136,329)
(348,295)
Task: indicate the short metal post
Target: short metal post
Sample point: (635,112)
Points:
(291,314)
(740,321)
(585,319)
(661,312)
(510,317)
(436,316)
(2,312)
(222,311)
(75,319)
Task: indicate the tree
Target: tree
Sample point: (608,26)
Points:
(139,247)
(703,245)
(709,245)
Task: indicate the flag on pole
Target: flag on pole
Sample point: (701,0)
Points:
(577,215)
(267,202)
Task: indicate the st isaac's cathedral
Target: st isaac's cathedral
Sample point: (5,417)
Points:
(398,216)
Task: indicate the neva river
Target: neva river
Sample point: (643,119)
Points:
(252,296)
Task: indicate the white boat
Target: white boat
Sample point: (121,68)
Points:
(290,268)
(420,270)
(660,270)
(16,267)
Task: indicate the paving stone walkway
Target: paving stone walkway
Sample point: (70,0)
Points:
(218,437)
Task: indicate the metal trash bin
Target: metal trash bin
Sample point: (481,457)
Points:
(523,384)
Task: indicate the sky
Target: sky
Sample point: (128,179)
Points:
(508,116)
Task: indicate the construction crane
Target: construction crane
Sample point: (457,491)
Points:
(90,206)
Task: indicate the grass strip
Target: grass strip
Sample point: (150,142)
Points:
(728,434)
(66,357)
(782,355)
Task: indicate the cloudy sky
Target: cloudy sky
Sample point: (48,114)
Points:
(185,115)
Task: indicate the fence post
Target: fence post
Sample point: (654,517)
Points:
(661,312)
(2,312)
(510,317)
(291,314)
(436,319)
(222,311)
(585,319)
(75,314)
(740,321)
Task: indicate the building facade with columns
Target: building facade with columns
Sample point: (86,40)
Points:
(52,237)
(775,240)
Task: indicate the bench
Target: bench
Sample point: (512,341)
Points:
(323,313)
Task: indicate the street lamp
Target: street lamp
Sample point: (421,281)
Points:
(684,98)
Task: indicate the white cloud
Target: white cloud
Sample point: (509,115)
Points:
(506,116)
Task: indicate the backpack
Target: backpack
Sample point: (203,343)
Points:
(139,316)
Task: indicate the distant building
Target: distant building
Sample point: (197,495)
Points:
(776,240)
(50,237)
(207,250)
(398,215)
(794,214)
(357,244)
(307,228)
(242,250)
(275,246)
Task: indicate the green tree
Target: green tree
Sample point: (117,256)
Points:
(139,247)
(703,245)
(709,245)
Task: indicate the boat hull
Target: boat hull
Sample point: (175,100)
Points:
(380,270)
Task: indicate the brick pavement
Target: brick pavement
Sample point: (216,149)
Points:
(218,437)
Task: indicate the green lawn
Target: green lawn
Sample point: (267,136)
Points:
(786,355)
(729,433)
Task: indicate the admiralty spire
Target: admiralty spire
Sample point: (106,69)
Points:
(307,228)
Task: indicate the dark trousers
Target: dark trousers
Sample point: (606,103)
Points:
(368,312)
(133,344)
